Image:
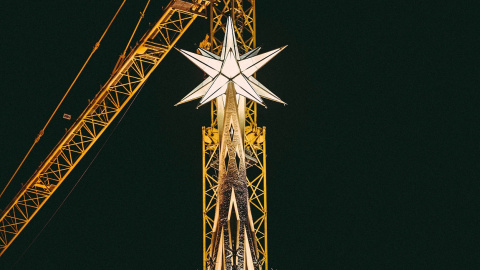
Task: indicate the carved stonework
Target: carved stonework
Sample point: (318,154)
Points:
(233,233)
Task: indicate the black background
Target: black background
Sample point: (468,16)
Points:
(374,163)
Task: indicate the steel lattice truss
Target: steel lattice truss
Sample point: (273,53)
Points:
(125,81)
(243,14)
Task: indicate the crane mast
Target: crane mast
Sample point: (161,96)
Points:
(128,77)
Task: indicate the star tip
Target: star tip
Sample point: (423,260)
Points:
(179,103)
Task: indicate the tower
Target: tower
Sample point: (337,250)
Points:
(230,82)
(243,14)
(233,241)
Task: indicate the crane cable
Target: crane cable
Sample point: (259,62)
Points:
(122,56)
(42,131)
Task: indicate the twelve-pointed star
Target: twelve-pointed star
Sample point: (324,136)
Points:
(230,66)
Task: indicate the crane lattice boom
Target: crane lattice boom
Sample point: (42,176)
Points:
(125,81)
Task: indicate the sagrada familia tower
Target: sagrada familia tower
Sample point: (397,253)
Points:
(230,80)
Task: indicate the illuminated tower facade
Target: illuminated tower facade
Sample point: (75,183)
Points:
(233,241)
(230,82)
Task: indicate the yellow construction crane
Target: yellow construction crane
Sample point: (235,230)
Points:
(129,75)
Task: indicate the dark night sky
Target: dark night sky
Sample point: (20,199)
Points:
(374,163)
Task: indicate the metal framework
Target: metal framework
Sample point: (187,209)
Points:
(243,14)
(126,80)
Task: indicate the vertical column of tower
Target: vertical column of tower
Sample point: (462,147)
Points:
(233,241)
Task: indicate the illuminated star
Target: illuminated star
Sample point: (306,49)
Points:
(230,66)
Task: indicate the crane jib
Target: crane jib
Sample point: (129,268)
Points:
(125,81)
